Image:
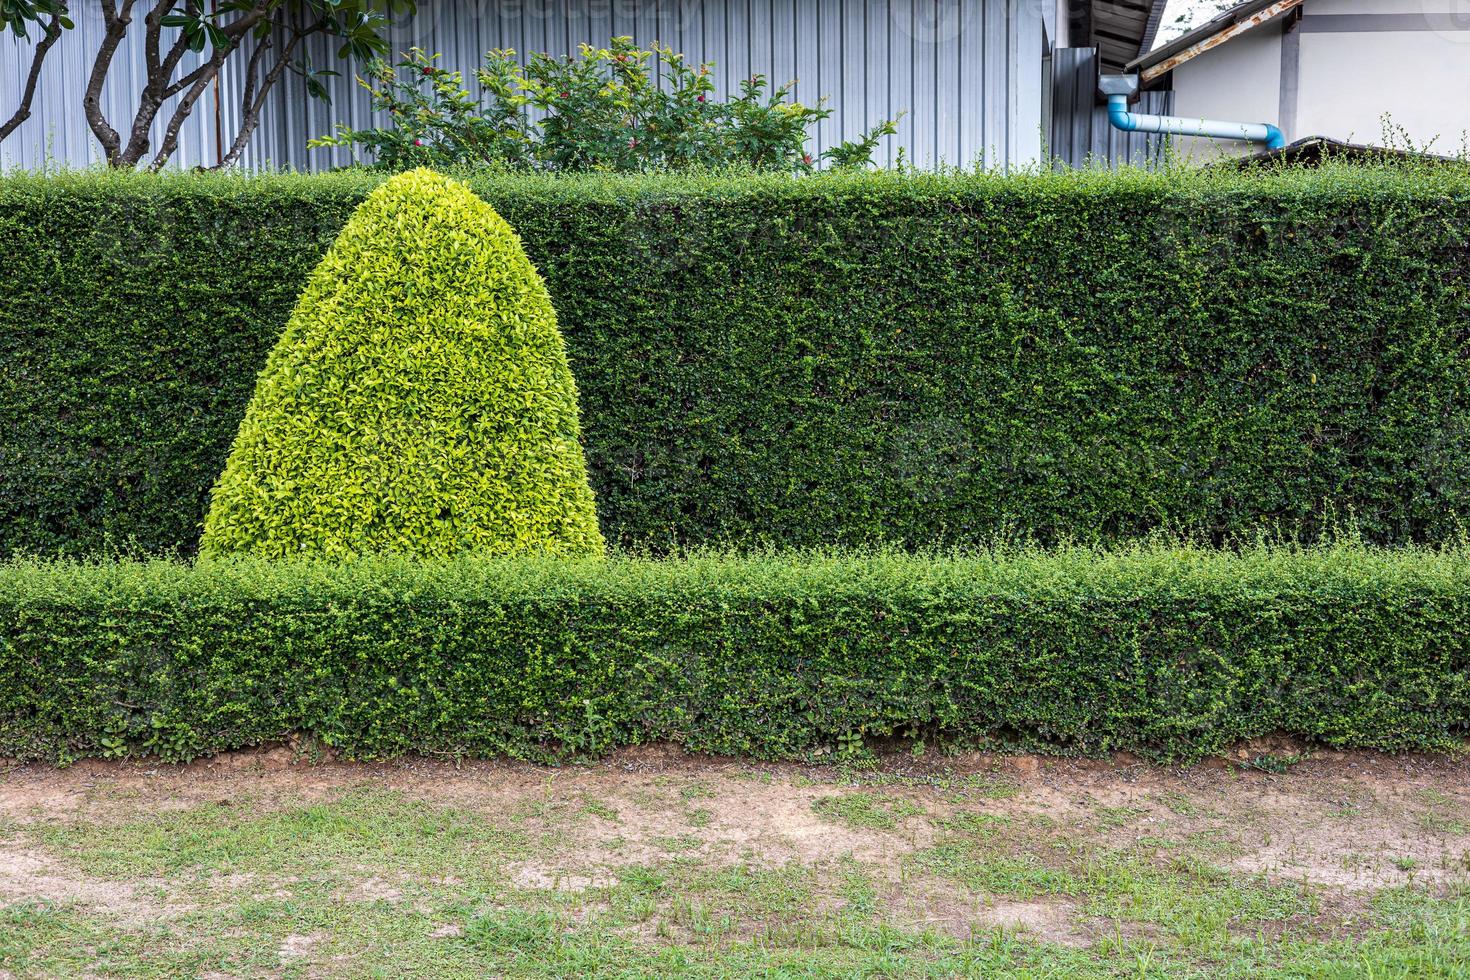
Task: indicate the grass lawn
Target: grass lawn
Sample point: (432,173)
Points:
(651,863)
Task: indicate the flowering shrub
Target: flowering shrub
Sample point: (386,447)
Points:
(620,108)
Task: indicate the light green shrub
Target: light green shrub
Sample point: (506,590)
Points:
(419,401)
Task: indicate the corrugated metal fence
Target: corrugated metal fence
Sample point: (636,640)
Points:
(967,73)
(1080,132)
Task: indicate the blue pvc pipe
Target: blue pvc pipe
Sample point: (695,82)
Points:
(1132,122)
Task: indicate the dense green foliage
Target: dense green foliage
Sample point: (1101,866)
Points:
(1169,652)
(419,401)
(618,108)
(917,358)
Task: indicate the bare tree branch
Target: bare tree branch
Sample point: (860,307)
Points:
(28,94)
(153,24)
(185,107)
(251,103)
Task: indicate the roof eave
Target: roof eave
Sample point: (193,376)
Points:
(1217,31)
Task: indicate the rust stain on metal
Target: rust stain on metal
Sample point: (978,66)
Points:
(1215,40)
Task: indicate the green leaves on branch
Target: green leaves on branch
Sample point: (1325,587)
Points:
(358,24)
(619,108)
(419,401)
(18,16)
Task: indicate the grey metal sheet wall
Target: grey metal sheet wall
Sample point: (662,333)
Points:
(1080,132)
(967,73)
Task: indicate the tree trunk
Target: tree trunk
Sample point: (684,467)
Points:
(116,22)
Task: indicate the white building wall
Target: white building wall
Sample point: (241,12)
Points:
(1240,81)
(1404,88)
(1358,65)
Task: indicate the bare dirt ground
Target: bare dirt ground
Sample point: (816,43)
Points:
(1352,820)
(1346,825)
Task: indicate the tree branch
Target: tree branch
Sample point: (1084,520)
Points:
(185,107)
(28,94)
(251,103)
(159,89)
(115,23)
(154,25)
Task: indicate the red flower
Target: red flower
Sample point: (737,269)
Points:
(806,158)
(700,99)
(418,142)
(428,70)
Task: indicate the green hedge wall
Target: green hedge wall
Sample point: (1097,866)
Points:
(1173,653)
(837,359)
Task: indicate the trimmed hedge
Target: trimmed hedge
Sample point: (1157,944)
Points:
(419,401)
(837,359)
(1173,653)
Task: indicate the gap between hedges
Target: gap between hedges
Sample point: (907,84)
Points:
(1169,652)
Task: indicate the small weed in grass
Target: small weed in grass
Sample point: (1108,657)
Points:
(1114,817)
(1019,876)
(516,932)
(1214,841)
(1150,842)
(1442,814)
(1442,823)
(864,810)
(858,892)
(979,824)
(1183,805)
(596,808)
(990,786)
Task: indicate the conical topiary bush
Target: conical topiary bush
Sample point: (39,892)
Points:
(419,401)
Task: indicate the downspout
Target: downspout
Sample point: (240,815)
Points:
(1119,87)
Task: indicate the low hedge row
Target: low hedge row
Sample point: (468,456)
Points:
(1173,653)
(838,359)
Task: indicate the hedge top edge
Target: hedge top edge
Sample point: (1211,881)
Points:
(1402,177)
(1082,572)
